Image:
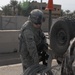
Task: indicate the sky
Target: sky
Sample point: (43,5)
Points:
(65,4)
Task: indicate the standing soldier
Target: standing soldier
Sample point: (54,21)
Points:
(32,40)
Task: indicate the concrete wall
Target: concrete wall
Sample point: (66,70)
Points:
(12,22)
(10,30)
(9,41)
(0,23)
(15,23)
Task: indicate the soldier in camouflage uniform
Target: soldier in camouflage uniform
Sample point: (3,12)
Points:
(32,39)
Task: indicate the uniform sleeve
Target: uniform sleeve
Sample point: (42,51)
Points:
(44,41)
(42,35)
(31,46)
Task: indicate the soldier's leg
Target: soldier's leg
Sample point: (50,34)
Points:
(26,62)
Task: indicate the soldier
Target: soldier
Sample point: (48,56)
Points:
(32,40)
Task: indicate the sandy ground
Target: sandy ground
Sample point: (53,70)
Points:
(16,69)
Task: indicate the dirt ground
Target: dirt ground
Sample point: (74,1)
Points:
(16,69)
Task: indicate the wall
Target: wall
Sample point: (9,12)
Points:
(12,22)
(10,31)
(15,23)
(9,41)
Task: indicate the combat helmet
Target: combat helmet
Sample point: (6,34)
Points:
(36,16)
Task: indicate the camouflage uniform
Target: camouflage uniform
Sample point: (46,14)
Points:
(30,38)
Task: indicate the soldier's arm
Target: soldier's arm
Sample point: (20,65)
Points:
(43,37)
(31,46)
